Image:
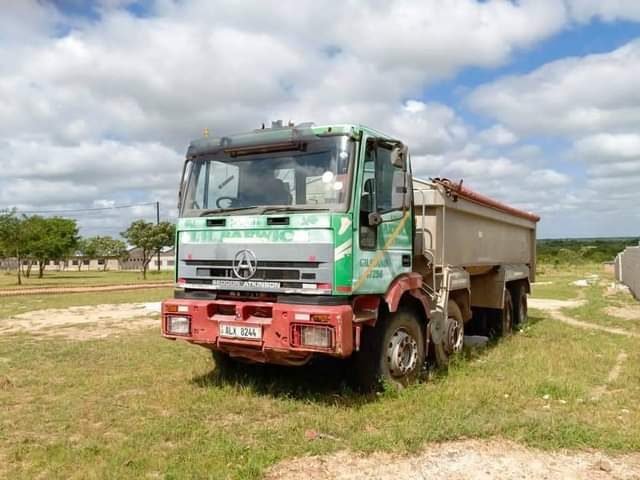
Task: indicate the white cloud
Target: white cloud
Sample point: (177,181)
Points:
(497,135)
(226,66)
(516,182)
(429,128)
(572,96)
(609,10)
(606,146)
(441,36)
(593,104)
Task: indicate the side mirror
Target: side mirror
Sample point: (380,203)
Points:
(399,155)
(374,219)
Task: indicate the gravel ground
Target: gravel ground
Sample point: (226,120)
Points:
(463,460)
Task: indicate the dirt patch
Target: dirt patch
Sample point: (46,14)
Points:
(554,308)
(631,312)
(468,460)
(83,322)
(551,304)
(6,292)
(557,315)
(613,375)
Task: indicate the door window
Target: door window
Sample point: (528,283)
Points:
(383,187)
(389,181)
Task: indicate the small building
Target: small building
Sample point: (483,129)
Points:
(84,263)
(134,260)
(8,263)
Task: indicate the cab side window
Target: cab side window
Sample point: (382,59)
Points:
(383,183)
(389,181)
(382,189)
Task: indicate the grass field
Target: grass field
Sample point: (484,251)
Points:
(74,278)
(16,304)
(140,406)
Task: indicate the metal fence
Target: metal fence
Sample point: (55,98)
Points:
(628,269)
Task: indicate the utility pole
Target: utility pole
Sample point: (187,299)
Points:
(158,223)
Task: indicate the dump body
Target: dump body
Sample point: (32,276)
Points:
(467,230)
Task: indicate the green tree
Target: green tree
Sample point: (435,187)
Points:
(150,239)
(12,239)
(84,249)
(49,239)
(103,248)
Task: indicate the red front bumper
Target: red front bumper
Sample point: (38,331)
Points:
(281,324)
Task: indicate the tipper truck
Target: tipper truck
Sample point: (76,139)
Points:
(296,241)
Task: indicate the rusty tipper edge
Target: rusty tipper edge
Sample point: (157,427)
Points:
(296,241)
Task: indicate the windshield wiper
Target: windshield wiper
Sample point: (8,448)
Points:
(215,211)
(293,208)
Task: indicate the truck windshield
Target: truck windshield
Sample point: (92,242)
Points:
(315,177)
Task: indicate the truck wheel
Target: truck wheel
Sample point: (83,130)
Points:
(520,307)
(505,325)
(391,352)
(453,338)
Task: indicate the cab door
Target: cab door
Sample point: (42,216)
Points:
(384,218)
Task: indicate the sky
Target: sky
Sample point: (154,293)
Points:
(533,102)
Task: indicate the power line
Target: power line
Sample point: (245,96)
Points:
(97,209)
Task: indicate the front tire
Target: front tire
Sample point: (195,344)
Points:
(392,352)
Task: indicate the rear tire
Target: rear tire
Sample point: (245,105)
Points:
(454,336)
(520,305)
(505,324)
(392,352)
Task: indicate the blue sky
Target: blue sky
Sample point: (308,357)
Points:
(532,102)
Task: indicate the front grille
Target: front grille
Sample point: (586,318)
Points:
(261,274)
(288,274)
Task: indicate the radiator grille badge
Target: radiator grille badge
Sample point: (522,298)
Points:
(245,264)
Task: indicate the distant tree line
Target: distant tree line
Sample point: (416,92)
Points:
(577,251)
(34,241)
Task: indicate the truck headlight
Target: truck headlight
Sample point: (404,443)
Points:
(313,336)
(178,325)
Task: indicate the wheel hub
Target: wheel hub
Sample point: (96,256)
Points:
(455,336)
(402,353)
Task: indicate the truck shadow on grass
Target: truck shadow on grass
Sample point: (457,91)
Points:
(324,380)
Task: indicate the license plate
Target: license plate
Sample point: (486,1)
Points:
(238,331)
